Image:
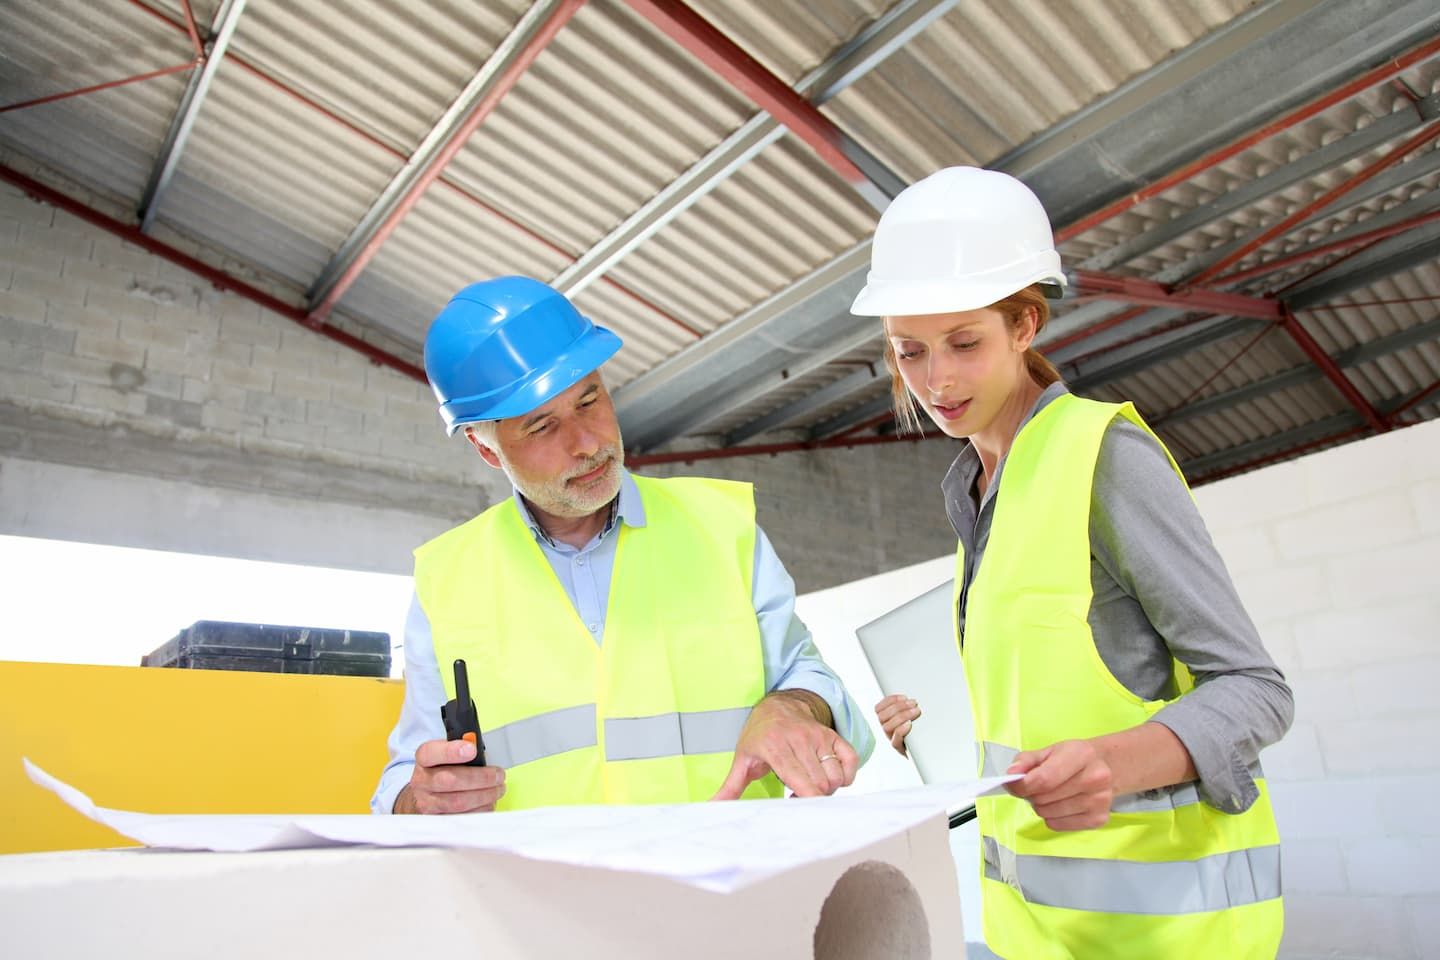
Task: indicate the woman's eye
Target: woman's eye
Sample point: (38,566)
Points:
(967,345)
(907,354)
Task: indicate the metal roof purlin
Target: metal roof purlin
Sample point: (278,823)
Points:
(226,19)
(746,74)
(1364,82)
(531,35)
(866,51)
(1289,223)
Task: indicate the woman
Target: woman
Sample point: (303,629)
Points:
(1108,657)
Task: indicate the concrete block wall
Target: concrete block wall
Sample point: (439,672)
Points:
(142,407)
(1337,557)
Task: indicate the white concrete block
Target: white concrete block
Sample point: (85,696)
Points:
(1344,927)
(16,252)
(303,433)
(247,377)
(1327,809)
(275,407)
(47,338)
(227,419)
(1397,572)
(17,207)
(356,397)
(1398,629)
(1246,548)
(354,441)
(60,241)
(336,419)
(296,362)
(1312,866)
(1393,867)
(24,386)
(249,330)
(106,398)
(190,318)
(1402,797)
(24,307)
(81,369)
(111,251)
(1296,757)
(1257,497)
(301,387)
(1382,462)
(74,317)
(1397,685)
(1424,914)
(122,305)
(1283,592)
(177,362)
(107,348)
(1426,499)
(1279,640)
(1324,697)
(1396,743)
(145,330)
(91,274)
(1339,529)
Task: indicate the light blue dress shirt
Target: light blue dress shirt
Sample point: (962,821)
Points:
(790,658)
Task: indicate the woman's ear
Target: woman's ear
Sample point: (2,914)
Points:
(1025,330)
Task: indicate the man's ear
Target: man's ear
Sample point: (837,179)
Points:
(486,454)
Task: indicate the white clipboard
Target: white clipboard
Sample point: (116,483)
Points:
(912,651)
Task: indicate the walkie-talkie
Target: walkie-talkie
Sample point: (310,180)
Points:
(461,720)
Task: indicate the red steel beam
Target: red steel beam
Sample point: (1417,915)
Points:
(1303,256)
(503,84)
(1416,400)
(1098,327)
(1139,290)
(1360,84)
(1318,204)
(746,74)
(219,278)
(1332,371)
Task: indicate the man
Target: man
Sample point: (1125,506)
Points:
(627,640)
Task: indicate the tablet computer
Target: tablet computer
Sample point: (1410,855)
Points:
(912,651)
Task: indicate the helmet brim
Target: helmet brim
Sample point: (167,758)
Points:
(911,299)
(584,357)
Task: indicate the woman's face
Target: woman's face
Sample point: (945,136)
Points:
(960,367)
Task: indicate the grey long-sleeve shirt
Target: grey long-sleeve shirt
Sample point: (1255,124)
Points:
(1160,590)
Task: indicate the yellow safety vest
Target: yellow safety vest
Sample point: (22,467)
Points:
(652,713)
(1169,875)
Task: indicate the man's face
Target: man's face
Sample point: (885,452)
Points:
(565,456)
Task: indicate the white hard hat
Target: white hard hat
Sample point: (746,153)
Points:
(961,239)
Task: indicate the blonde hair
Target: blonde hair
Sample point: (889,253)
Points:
(1012,309)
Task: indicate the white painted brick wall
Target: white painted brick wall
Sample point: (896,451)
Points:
(1338,558)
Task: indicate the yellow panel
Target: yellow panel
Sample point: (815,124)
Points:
(184,741)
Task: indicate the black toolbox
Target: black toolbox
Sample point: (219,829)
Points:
(267,648)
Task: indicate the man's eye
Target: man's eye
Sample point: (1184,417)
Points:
(540,428)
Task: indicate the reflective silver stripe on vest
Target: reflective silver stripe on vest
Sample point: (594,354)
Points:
(998,758)
(1126,886)
(673,734)
(542,735)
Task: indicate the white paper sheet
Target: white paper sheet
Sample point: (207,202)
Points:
(715,846)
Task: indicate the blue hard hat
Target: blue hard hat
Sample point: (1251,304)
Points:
(503,347)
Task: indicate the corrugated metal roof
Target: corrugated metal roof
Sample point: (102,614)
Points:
(317,106)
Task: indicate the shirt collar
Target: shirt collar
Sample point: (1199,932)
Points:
(626,508)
